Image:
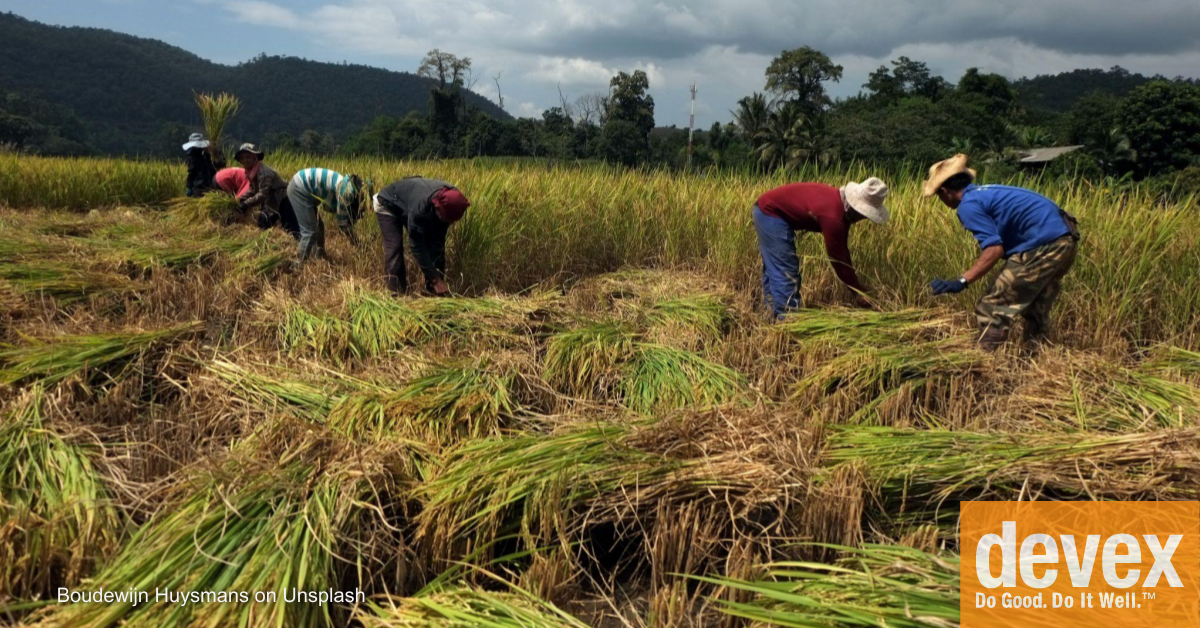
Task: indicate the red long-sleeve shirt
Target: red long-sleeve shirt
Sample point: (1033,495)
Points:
(816,207)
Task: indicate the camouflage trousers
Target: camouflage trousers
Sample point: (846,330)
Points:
(1027,286)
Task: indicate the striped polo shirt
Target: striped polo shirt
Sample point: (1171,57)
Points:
(331,187)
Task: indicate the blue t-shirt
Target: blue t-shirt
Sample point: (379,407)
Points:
(1016,218)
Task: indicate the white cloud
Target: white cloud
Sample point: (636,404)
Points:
(571,72)
(263,14)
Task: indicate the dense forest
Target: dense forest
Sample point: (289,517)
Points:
(80,90)
(135,95)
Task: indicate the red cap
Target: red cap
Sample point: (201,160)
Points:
(450,204)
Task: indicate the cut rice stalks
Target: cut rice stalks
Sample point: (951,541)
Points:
(446,403)
(917,472)
(872,586)
(57,518)
(105,357)
(465,607)
(606,361)
(253,526)
(548,489)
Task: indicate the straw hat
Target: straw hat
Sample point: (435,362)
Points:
(867,199)
(195,140)
(943,170)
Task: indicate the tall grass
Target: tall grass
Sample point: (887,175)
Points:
(217,111)
(530,223)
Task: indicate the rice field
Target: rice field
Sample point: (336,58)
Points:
(600,428)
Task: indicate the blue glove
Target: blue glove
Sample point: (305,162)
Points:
(943,286)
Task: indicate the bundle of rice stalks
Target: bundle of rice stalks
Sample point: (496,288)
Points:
(586,362)
(691,321)
(217,111)
(922,469)
(865,328)
(1176,359)
(1086,392)
(550,490)
(447,403)
(530,485)
(464,607)
(875,585)
(932,382)
(215,208)
(249,527)
(320,333)
(63,282)
(104,357)
(380,323)
(660,378)
(57,519)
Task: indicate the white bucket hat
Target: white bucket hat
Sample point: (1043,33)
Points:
(867,199)
(195,140)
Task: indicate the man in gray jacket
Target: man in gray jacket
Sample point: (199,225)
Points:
(426,208)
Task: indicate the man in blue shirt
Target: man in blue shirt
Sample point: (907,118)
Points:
(1037,239)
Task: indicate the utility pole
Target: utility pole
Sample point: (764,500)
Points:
(691,126)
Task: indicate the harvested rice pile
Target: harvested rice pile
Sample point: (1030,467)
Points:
(182,411)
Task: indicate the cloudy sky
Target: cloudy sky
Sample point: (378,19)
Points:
(539,47)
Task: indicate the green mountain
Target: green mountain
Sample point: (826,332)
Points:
(1059,92)
(134,95)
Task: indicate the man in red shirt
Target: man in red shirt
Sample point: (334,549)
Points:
(814,207)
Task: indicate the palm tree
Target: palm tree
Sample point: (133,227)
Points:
(1112,148)
(1034,137)
(784,137)
(752,115)
(962,145)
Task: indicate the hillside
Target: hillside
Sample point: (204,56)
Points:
(1058,92)
(133,93)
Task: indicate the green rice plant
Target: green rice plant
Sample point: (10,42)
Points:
(586,362)
(57,518)
(530,485)
(217,111)
(104,357)
(872,586)
(662,378)
(466,607)
(930,468)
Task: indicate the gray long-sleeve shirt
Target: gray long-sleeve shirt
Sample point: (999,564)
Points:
(411,201)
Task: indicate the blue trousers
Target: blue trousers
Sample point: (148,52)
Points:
(781,267)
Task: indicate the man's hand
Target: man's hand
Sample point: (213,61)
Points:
(947,286)
(439,288)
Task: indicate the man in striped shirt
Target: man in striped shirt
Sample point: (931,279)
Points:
(337,193)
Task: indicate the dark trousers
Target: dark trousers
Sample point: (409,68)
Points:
(287,219)
(392,230)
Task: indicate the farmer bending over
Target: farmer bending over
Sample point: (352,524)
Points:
(814,207)
(267,191)
(337,193)
(426,208)
(1035,236)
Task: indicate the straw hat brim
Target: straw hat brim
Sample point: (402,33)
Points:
(943,170)
(876,213)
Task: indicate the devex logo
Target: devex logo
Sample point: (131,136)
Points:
(1043,549)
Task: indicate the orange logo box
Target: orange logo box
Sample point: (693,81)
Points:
(1080,564)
